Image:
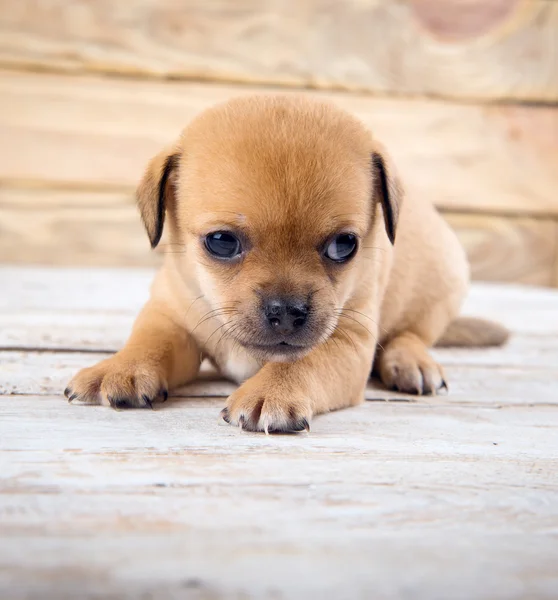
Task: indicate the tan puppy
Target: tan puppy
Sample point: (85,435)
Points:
(294,257)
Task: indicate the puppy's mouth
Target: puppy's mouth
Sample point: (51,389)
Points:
(285,350)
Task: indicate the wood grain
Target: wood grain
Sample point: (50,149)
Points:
(64,227)
(508,249)
(86,494)
(68,228)
(86,132)
(523,374)
(474,49)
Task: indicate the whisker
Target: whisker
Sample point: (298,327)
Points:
(341,331)
(341,315)
(228,332)
(236,340)
(216,330)
(331,331)
(223,313)
(198,298)
(216,312)
(375,337)
(342,310)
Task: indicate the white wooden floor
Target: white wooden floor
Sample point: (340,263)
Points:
(453,497)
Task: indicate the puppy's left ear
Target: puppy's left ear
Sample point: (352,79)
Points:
(154,192)
(387,189)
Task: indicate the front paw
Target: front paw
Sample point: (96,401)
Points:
(120,383)
(270,406)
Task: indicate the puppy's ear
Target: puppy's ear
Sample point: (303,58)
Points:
(387,190)
(154,191)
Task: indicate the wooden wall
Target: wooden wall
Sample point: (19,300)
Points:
(463,92)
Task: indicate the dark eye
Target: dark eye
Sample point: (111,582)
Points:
(342,247)
(223,244)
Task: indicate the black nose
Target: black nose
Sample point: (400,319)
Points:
(285,315)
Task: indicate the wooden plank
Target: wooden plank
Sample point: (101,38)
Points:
(85,132)
(67,228)
(474,49)
(521,351)
(521,309)
(87,494)
(58,290)
(64,227)
(522,375)
(508,249)
(96,306)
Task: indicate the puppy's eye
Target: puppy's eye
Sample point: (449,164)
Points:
(223,244)
(342,247)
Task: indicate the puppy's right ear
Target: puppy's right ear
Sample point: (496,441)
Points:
(158,184)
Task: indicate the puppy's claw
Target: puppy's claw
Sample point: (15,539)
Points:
(301,425)
(225,415)
(147,401)
(164,395)
(444,385)
(70,394)
(118,403)
(241,421)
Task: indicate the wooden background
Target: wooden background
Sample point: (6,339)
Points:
(463,92)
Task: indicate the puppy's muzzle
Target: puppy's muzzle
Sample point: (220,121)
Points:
(284,326)
(285,316)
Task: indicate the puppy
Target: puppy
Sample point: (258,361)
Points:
(296,266)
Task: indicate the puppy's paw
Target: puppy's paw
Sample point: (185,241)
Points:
(411,371)
(258,405)
(120,383)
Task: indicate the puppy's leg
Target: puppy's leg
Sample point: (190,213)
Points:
(159,355)
(284,396)
(404,364)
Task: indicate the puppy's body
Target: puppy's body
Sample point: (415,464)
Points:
(306,205)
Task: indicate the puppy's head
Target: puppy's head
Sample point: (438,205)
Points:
(272,201)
